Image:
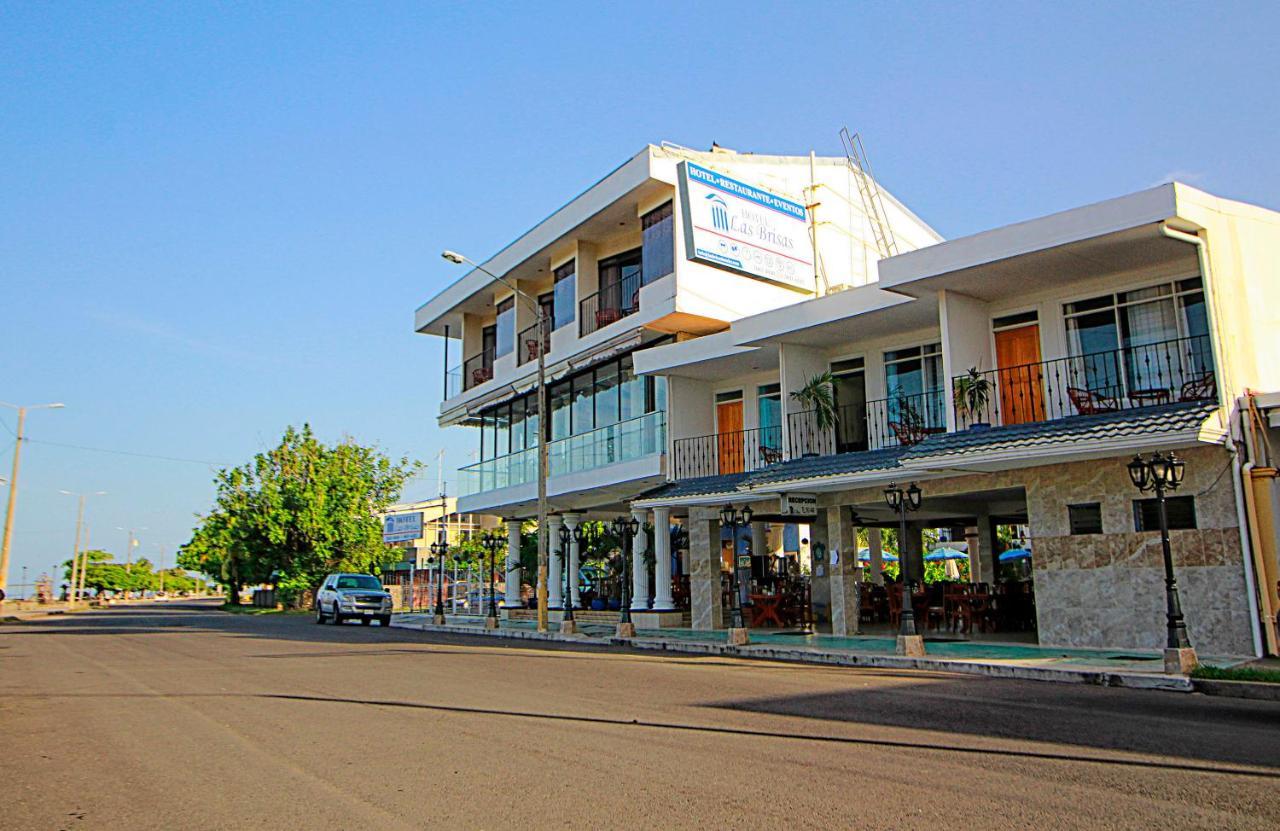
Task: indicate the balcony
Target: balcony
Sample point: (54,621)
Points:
(474,371)
(610,304)
(527,344)
(1100,382)
(741,451)
(622,442)
(883,422)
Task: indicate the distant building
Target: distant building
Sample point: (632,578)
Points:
(434,514)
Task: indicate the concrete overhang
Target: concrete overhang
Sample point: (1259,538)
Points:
(706,358)
(596,212)
(857,314)
(1108,237)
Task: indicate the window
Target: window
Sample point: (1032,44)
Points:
(913,381)
(506,327)
(1145,339)
(1011,321)
(1085,519)
(582,410)
(769,410)
(620,282)
(565,294)
(488,345)
(1181,511)
(659,244)
(850,392)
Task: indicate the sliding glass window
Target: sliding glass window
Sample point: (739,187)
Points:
(659,243)
(566,290)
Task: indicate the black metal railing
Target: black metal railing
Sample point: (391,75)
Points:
(883,422)
(610,304)
(741,451)
(1144,375)
(477,369)
(527,344)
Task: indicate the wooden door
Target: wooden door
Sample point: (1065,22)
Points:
(1020,375)
(729,436)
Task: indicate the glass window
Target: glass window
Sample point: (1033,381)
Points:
(913,381)
(657,394)
(631,391)
(583,406)
(850,390)
(506,330)
(518,436)
(565,294)
(769,410)
(659,243)
(502,430)
(1181,511)
(559,397)
(620,282)
(1085,519)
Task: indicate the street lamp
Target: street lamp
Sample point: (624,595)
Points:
(627,530)
(1161,474)
(733,520)
(492,542)
(7,538)
(901,501)
(78,569)
(544,421)
(440,548)
(568,626)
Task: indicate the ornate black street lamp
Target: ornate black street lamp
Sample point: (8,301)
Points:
(627,530)
(565,536)
(492,542)
(1160,474)
(733,520)
(902,501)
(439,548)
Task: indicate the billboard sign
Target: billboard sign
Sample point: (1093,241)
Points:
(741,227)
(402,527)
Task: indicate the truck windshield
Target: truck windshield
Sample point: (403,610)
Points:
(358,581)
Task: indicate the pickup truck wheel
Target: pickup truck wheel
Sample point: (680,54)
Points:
(319,613)
(337,616)
(365,621)
(384,620)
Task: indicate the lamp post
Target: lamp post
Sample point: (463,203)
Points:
(492,542)
(626,528)
(78,568)
(733,520)
(568,626)
(543,422)
(439,548)
(7,538)
(901,501)
(1160,474)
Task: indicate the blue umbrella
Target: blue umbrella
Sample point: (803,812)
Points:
(864,555)
(937,555)
(1015,554)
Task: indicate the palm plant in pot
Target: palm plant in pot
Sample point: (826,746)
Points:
(817,397)
(972,394)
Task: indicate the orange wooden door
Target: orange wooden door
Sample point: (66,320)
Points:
(1020,376)
(729,436)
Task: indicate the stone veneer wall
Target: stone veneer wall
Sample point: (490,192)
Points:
(1107,590)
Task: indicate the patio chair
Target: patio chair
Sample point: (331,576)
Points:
(1088,402)
(1199,389)
(770,455)
(481,374)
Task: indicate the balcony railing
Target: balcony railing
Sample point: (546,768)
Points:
(453,382)
(741,451)
(477,369)
(883,422)
(612,303)
(1100,382)
(625,441)
(527,344)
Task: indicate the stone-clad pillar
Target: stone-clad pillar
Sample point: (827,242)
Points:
(511,599)
(555,576)
(846,576)
(571,522)
(704,569)
(875,548)
(986,553)
(639,570)
(820,574)
(662,600)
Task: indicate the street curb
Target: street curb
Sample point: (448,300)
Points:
(1102,678)
(1253,690)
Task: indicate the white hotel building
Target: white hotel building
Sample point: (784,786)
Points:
(687,308)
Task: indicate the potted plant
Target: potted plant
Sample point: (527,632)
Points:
(817,396)
(972,393)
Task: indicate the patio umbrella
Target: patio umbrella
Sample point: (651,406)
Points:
(940,554)
(864,555)
(1015,554)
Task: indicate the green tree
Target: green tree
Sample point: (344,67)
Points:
(295,513)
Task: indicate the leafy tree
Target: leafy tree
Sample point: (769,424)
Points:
(295,513)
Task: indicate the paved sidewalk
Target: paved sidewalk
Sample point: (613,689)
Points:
(1128,668)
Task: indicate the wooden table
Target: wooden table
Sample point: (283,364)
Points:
(766,608)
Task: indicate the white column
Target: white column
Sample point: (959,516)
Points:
(639,571)
(555,577)
(512,597)
(875,548)
(572,521)
(662,601)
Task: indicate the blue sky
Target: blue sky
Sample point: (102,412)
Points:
(217,220)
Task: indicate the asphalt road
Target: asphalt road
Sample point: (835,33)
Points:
(185,717)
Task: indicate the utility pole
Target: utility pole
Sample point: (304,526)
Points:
(84,561)
(13,486)
(74,592)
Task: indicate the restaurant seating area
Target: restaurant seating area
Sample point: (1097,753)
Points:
(954,607)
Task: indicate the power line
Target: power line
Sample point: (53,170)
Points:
(127,453)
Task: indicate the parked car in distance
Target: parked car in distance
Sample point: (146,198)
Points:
(353,596)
